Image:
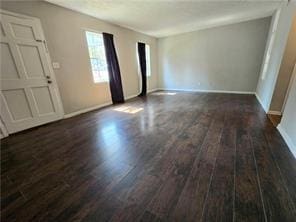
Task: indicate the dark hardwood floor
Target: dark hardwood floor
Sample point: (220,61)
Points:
(167,157)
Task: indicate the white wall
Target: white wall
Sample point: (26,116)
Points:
(266,85)
(223,58)
(64,30)
(286,69)
(287,126)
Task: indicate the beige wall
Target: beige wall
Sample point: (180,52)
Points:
(286,69)
(224,58)
(65,33)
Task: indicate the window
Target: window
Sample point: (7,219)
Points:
(97,56)
(148,66)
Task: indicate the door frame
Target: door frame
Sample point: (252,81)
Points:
(48,59)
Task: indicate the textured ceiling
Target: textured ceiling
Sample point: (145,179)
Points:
(163,18)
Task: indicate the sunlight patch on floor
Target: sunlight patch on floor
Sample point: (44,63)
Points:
(164,93)
(128,109)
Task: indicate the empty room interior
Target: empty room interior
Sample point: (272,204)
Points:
(148,110)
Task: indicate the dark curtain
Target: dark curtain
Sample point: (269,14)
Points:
(113,69)
(142,61)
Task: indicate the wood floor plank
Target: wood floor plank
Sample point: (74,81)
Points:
(192,198)
(177,167)
(138,199)
(149,217)
(219,202)
(248,202)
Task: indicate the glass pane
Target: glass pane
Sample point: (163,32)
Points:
(94,64)
(148,65)
(97,56)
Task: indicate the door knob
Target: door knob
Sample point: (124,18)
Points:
(49,81)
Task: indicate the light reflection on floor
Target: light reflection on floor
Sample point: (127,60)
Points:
(147,120)
(164,93)
(112,142)
(128,109)
(109,135)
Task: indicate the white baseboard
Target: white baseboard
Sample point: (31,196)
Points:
(130,97)
(153,90)
(272,112)
(261,103)
(86,110)
(222,91)
(100,106)
(287,139)
(208,91)
(135,95)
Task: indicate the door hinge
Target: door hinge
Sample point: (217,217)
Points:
(44,42)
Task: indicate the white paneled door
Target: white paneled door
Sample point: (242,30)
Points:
(29,95)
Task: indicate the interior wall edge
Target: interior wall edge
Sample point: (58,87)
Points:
(285,75)
(261,102)
(266,86)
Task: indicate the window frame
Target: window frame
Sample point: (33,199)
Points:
(101,81)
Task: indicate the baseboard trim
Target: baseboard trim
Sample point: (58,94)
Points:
(135,95)
(272,112)
(153,90)
(287,139)
(100,106)
(208,91)
(130,97)
(86,110)
(261,103)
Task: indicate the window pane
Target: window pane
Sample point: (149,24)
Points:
(93,52)
(97,57)
(94,64)
(148,65)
